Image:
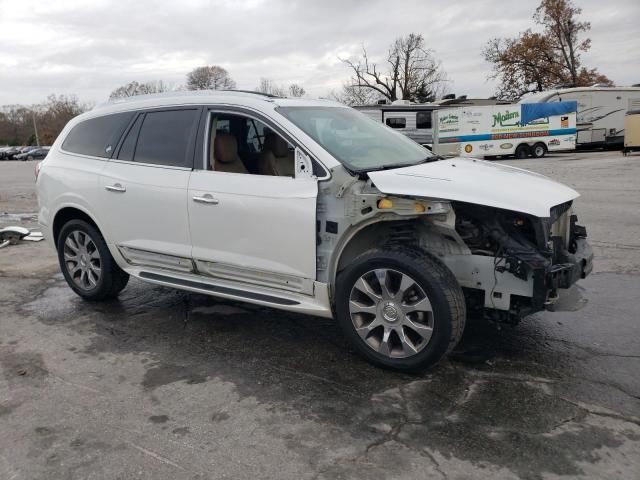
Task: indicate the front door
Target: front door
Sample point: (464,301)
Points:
(251,220)
(144,189)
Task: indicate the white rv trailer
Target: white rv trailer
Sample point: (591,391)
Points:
(501,130)
(413,120)
(601,111)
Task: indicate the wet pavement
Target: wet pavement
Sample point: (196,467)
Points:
(165,384)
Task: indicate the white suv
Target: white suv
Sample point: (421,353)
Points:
(308,206)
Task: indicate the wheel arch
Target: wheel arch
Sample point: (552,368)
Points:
(67,213)
(359,238)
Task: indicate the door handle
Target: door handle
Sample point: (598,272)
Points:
(116,187)
(206,198)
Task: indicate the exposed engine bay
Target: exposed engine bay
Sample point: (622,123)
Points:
(551,251)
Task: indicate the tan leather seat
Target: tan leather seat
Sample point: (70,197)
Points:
(276,158)
(225,154)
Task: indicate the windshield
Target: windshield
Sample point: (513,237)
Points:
(354,139)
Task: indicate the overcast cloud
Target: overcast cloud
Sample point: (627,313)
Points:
(89,48)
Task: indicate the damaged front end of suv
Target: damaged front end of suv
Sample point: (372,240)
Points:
(509,236)
(546,254)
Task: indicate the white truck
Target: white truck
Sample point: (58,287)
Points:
(521,130)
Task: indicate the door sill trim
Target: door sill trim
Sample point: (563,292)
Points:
(181,282)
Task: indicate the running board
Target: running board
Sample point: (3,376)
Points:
(180,282)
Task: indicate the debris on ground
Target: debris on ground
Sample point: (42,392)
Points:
(13,235)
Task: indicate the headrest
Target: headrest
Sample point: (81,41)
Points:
(276,144)
(225,148)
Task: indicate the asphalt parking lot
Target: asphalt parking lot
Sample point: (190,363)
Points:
(169,385)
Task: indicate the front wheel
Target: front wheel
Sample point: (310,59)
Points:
(87,264)
(400,307)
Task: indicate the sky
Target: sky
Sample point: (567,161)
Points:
(90,47)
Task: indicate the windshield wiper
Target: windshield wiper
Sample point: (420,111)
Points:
(432,158)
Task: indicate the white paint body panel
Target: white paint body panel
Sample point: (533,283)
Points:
(478,182)
(72,184)
(260,222)
(152,213)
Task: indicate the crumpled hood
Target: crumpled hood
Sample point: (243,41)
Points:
(476,181)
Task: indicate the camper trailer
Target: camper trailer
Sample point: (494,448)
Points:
(631,132)
(413,120)
(601,111)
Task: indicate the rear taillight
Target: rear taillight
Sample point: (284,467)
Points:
(37,170)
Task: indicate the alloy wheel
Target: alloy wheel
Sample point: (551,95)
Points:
(391,312)
(82,259)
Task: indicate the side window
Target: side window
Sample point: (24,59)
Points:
(241,144)
(423,120)
(97,136)
(128,147)
(396,122)
(255,135)
(165,137)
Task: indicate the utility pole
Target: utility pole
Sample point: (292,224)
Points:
(35,127)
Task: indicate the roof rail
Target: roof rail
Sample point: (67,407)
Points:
(269,95)
(182,93)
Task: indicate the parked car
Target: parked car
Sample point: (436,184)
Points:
(33,154)
(307,206)
(10,152)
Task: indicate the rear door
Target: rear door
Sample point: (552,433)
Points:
(144,189)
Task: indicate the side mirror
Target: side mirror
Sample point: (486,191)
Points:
(304,166)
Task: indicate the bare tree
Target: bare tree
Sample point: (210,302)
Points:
(296,90)
(55,113)
(559,17)
(211,77)
(17,121)
(269,87)
(135,88)
(355,95)
(538,61)
(410,71)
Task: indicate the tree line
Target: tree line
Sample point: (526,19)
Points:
(533,60)
(210,77)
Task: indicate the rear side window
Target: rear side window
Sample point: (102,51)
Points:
(97,136)
(396,122)
(165,137)
(423,120)
(128,147)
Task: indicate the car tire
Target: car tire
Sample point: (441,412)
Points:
(522,152)
(420,333)
(29,157)
(539,150)
(87,264)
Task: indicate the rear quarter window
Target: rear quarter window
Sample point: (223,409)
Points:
(165,137)
(97,137)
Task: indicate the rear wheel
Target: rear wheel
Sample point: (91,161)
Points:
(522,151)
(539,150)
(400,307)
(87,264)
